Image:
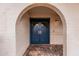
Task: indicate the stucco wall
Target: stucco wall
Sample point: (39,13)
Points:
(71,12)
(22,35)
(8,17)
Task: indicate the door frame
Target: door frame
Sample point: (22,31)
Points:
(48,27)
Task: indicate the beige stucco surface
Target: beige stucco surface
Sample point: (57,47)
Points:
(8,17)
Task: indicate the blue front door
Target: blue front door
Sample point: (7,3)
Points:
(39,30)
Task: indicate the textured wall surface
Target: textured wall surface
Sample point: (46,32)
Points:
(22,35)
(8,17)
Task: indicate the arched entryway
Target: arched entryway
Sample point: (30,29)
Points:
(57,31)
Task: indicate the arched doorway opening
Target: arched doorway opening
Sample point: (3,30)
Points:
(57,33)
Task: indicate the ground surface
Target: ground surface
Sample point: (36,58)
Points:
(45,50)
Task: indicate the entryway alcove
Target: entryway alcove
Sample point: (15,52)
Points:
(51,31)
